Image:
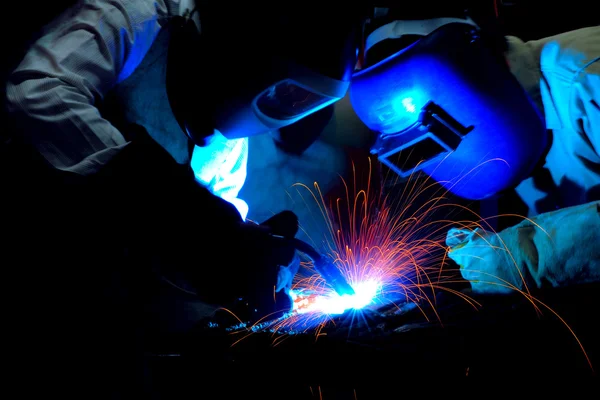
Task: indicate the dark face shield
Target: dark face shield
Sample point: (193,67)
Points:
(256,67)
(277,101)
(449,107)
(288,100)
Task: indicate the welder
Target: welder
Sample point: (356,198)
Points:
(128,150)
(482,113)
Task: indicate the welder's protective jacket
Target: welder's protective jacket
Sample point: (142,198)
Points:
(97,47)
(553,249)
(560,244)
(562,75)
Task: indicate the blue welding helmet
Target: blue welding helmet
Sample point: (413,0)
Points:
(447,105)
(258,67)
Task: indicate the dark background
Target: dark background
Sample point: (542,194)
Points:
(528,19)
(506,346)
(535,19)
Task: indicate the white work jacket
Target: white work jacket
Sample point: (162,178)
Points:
(562,75)
(87,51)
(558,245)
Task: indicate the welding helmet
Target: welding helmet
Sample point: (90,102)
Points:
(258,67)
(446,104)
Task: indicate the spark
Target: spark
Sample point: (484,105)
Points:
(391,249)
(388,248)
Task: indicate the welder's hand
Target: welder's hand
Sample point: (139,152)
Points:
(553,249)
(284,224)
(270,263)
(483,260)
(271,239)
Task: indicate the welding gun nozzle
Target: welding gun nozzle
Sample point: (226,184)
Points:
(334,277)
(326,269)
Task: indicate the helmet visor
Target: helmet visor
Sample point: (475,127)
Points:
(287,100)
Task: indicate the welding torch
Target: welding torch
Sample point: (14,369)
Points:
(325,268)
(328,271)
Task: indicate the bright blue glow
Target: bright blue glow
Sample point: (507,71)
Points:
(221,166)
(332,303)
(401,111)
(409,105)
(509,135)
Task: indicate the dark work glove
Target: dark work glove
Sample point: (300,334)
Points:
(281,228)
(271,262)
(196,237)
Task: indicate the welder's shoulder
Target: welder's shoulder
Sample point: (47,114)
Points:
(89,10)
(570,53)
(564,75)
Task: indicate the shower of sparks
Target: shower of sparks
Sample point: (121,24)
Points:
(388,248)
(392,251)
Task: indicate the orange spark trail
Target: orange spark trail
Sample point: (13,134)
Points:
(398,243)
